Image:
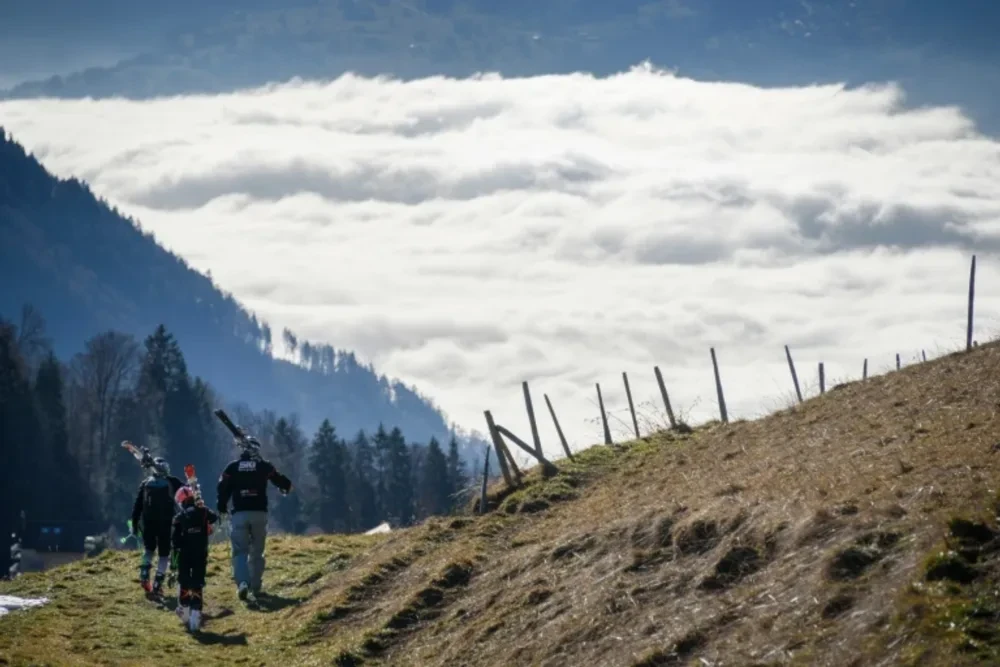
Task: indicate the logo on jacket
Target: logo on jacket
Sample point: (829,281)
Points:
(248,466)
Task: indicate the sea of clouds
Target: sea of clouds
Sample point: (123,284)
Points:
(466,235)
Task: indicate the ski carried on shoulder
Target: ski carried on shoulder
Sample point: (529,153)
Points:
(192,480)
(243,439)
(237,432)
(141,454)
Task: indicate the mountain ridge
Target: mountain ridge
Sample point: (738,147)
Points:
(781,42)
(102,271)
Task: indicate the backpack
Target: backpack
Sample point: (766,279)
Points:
(157,501)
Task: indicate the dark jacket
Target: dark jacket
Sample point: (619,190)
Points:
(155,501)
(245,482)
(189,534)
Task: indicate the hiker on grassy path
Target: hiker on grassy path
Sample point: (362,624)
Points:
(154,507)
(244,481)
(191,528)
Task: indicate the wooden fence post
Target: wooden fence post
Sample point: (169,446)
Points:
(631,406)
(972,300)
(864,371)
(822,379)
(665,397)
(604,416)
(718,389)
(795,377)
(923,355)
(500,449)
(512,463)
(898,365)
(486,476)
(555,420)
(547,466)
(531,418)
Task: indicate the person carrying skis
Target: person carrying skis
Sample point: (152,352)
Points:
(154,506)
(244,481)
(189,537)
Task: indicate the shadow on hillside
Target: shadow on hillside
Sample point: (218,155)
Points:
(165,602)
(214,638)
(222,613)
(267,602)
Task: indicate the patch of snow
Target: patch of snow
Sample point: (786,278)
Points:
(381,528)
(9,603)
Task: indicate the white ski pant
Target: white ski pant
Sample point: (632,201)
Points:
(247,536)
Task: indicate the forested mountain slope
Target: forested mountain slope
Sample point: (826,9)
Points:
(89,269)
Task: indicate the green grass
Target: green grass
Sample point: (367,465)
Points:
(98,613)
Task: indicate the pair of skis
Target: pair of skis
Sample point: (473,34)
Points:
(244,440)
(145,459)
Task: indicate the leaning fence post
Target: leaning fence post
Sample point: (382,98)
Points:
(531,418)
(972,300)
(555,420)
(500,449)
(665,396)
(486,476)
(511,463)
(923,355)
(604,416)
(631,406)
(795,377)
(718,389)
(864,371)
(822,379)
(548,467)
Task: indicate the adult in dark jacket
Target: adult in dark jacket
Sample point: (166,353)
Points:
(152,515)
(244,482)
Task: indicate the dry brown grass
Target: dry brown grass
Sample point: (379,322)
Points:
(802,538)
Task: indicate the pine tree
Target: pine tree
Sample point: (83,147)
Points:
(383,466)
(328,462)
(21,475)
(362,497)
(161,372)
(176,405)
(399,484)
(457,480)
(74,500)
(287,444)
(434,487)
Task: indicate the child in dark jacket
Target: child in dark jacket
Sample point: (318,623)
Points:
(191,528)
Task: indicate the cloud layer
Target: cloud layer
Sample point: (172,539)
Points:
(466,235)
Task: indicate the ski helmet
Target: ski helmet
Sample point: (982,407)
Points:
(160,467)
(250,446)
(184,495)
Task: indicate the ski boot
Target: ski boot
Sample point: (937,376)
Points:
(183,613)
(194,621)
(158,585)
(246,594)
(144,578)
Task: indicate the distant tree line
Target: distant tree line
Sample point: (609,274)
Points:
(62,424)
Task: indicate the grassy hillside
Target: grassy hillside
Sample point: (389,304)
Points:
(855,529)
